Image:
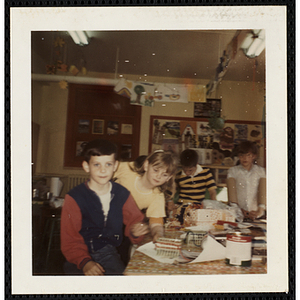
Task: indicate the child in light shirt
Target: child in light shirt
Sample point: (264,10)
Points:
(246,183)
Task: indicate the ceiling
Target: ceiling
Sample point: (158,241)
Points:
(181,54)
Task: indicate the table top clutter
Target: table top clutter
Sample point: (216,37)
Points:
(142,264)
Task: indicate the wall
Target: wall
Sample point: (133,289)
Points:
(239,102)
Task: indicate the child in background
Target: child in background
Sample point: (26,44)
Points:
(193,180)
(192,183)
(246,183)
(149,184)
(93,215)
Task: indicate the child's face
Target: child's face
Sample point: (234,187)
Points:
(246,160)
(156,176)
(189,171)
(101,168)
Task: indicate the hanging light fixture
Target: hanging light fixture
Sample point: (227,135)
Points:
(254,43)
(79,37)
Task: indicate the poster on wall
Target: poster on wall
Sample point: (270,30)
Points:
(166,135)
(212,107)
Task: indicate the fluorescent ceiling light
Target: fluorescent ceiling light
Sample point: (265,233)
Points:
(254,43)
(79,37)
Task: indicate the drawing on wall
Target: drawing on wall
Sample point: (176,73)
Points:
(166,135)
(83,126)
(112,127)
(98,126)
(213,146)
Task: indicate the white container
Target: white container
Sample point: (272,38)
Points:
(238,250)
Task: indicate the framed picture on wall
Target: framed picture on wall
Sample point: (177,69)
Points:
(126,129)
(83,126)
(98,126)
(112,127)
(212,107)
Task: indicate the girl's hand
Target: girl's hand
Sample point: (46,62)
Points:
(93,269)
(139,229)
(246,213)
(256,214)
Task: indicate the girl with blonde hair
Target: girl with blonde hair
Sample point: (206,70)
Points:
(151,185)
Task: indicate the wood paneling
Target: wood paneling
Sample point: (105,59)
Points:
(91,102)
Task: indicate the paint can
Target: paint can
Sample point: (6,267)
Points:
(238,249)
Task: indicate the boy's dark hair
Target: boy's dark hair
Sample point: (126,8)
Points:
(99,147)
(246,147)
(189,158)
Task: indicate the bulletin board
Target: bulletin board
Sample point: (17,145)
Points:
(213,147)
(97,112)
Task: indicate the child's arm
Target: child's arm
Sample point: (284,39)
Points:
(261,200)
(73,246)
(156,228)
(131,216)
(213,194)
(211,186)
(231,190)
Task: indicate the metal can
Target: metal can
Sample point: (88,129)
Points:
(238,249)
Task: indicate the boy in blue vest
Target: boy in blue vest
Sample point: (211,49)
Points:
(93,215)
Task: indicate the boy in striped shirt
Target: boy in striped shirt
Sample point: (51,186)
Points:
(193,180)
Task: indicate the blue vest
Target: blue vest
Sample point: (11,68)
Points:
(95,231)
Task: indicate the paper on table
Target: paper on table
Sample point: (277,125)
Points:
(149,249)
(212,250)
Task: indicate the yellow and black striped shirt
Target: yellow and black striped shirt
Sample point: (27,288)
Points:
(193,188)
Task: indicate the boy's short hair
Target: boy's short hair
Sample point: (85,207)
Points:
(99,147)
(246,147)
(189,158)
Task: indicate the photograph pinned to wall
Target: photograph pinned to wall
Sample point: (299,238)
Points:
(205,135)
(165,130)
(188,135)
(83,126)
(125,154)
(227,138)
(112,127)
(171,145)
(204,156)
(240,132)
(98,126)
(255,134)
(171,130)
(80,147)
(210,108)
(126,129)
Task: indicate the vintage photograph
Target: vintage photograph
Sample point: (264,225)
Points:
(190,191)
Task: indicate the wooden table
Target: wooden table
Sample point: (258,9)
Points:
(141,264)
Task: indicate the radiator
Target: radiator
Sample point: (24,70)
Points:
(74,180)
